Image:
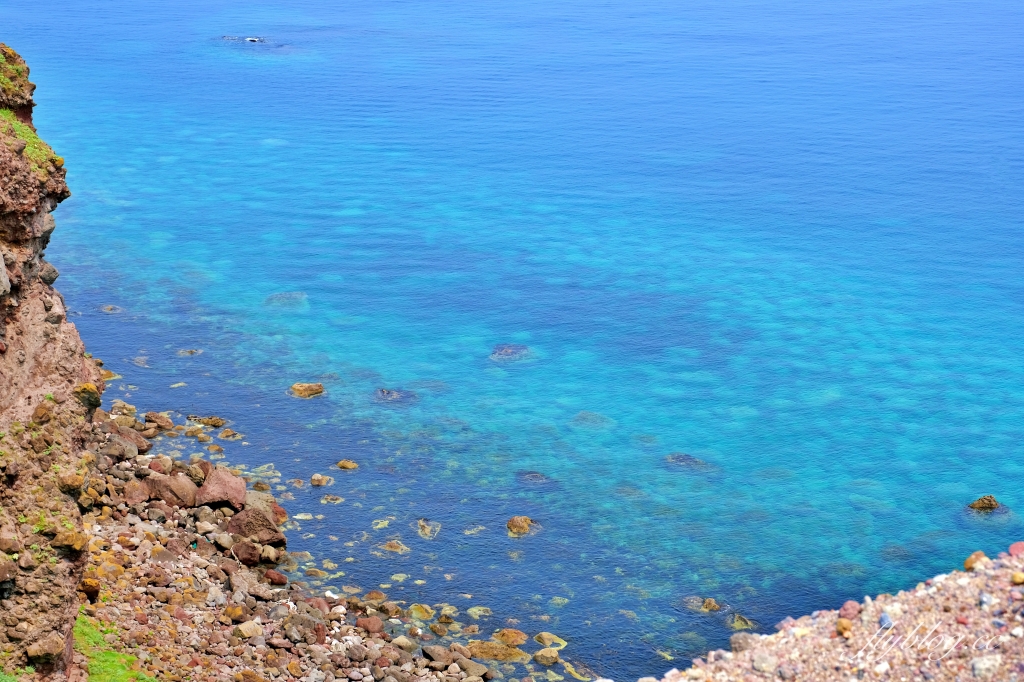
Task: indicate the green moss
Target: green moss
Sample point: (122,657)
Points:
(13,76)
(37,152)
(105,664)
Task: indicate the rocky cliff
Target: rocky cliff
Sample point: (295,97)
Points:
(48,391)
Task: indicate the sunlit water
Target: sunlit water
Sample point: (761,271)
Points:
(782,238)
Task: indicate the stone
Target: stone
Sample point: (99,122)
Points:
(276,577)
(319,480)
(70,482)
(1017,578)
(307,390)
(347,464)
(196,474)
(222,486)
(764,662)
(215,422)
(510,636)
(548,640)
(973,560)
(742,641)
(246,553)
(496,651)
(162,421)
(1017,549)
(986,503)
(519,525)
(269,554)
(547,656)
(46,649)
(986,667)
(8,569)
(739,622)
(850,609)
(254,524)
(405,644)
(238,613)
(509,352)
(710,605)
(71,539)
(48,274)
(91,588)
(176,490)
(438,653)
(421,612)
(135,492)
(248,629)
(372,624)
(844,626)
(471,668)
(87,394)
(9,542)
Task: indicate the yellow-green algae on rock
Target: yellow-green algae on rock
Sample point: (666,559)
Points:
(104,664)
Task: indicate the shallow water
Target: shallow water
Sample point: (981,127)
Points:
(783,239)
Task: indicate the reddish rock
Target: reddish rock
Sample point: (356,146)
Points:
(372,624)
(161,421)
(1017,549)
(141,618)
(135,491)
(280,515)
(253,523)
(319,603)
(850,610)
(222,486)
(173,490)
(276,577)
(180,614)
(320,632)
(246,553)
(156,466)
(135,438)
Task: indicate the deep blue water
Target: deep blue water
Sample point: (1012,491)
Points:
(782,237)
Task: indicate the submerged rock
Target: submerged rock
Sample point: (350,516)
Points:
(214,421)
(510,636)
(533,478)
(428,529)
(689,462)
(496,651)
(394,396)
(509,352)
(549,640)
(286,299)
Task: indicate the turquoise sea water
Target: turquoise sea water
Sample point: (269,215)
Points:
(783,238)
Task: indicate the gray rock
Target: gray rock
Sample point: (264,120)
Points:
(48,274)
(765,662)
(742,641)
(986,667)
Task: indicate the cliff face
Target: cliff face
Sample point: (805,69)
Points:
(48,391)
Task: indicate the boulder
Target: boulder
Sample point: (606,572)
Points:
(850,610)
(405,644)
(546,656)
(347,464)
(1017,549)
(549,641)
(135,491)
(302,390)
(373,624)
(222,486)
(175,490)
(9,542)
(496,651)
(247,553)
(46,649)
(519,525)
(742,641)
(162,422)
(511,636)
(275,577)
(254,523)
(88,395)
(438,653)
(987,503)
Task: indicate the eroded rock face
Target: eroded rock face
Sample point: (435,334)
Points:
(48,389)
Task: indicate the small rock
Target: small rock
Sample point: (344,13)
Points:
(742,641)
(986,667)
(248,629)
(971,561)
(546,656)
(347,464)
(319,480)
(843,626)
(1017,578)
(276,577)
(1017,549)
(764,662)
(405,644)
(307,390)
(710,605)
(372,624)
(87,394)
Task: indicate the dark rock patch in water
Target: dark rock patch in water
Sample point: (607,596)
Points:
(509,352)
(533,478)
(286,299)
(681,460)
(394,396)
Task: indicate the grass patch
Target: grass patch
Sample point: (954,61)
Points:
(37,152)
(105,664)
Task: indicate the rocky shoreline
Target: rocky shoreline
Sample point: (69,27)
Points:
(118,564)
